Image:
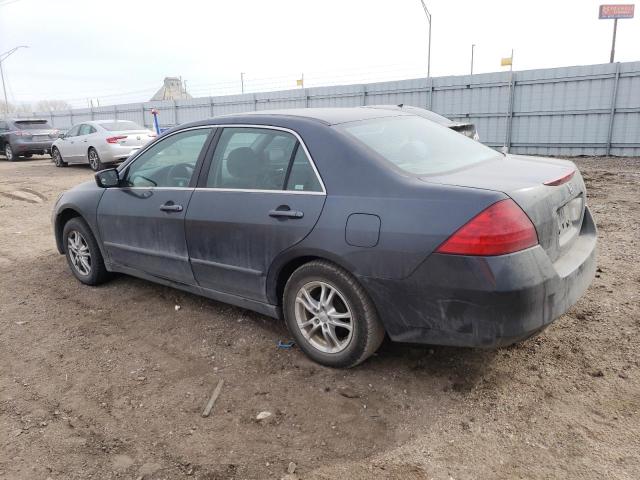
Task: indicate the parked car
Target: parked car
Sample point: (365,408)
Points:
(99,143)
(26,137)
(349,222)
(467,129)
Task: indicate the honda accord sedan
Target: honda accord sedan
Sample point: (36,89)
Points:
(348,223)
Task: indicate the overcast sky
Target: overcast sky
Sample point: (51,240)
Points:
(120,51)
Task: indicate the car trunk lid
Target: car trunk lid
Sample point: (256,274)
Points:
(133,138)
(556,210)
(36,130)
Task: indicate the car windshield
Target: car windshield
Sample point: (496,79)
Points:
(121,126)
(417,145)
(32,124)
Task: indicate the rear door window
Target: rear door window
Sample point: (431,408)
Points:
(302,177)
(251,159)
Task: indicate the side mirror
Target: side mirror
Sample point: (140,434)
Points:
(108,178)
(61,135)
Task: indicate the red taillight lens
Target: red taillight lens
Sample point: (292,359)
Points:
(115,139)
(21,133)
(559,181)
(499,229)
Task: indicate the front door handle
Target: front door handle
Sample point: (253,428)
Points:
(284,211)
(171,207)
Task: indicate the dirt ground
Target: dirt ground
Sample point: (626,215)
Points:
(110,382)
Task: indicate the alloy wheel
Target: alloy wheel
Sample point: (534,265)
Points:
(8,152)
(324,317)
(79,253)
(57,158)
(93,159)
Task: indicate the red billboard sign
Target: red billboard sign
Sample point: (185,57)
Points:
(616,11)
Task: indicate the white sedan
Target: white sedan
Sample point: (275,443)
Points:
(99,142)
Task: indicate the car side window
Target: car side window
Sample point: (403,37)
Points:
(169,163)
(73,132)
(302,177)
(85,129)
(251,158)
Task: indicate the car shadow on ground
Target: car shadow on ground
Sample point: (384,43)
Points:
(459,368)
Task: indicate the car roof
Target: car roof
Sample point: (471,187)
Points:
(328,116)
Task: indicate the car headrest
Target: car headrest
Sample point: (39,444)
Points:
(243,162)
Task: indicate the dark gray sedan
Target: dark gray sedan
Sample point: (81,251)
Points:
(349,223)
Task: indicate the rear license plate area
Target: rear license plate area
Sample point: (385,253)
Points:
(40,138)
(569,220)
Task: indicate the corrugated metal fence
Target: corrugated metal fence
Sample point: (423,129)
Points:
(585,110)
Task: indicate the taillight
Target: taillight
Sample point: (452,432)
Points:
(499,229)
(559,181)
(20,133)
(115,139)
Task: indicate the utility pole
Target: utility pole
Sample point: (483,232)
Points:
(3,57)
(428,14)
(473,45)
(242,81)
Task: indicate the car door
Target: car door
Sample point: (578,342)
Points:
(82,142)
(260,195)
(69,146)
(142,221)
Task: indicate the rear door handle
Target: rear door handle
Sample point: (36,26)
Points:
(278,212)
(171,207)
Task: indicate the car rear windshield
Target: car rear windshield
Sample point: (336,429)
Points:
(32,124)
(417,145)
(121,126)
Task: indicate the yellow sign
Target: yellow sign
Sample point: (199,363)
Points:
(505,62)
(300,82)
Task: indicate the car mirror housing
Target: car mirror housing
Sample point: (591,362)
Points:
(108,178)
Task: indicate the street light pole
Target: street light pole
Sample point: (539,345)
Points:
(3,57)
(428,14)
(242,82)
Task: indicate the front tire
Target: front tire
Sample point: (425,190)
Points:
(94,160)
(8,152)
(83,254)
(330,316)
(57,158)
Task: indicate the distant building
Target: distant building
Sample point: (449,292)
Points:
(171,90)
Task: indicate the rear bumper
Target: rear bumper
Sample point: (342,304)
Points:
(110,153)
(21,147)
(485,301)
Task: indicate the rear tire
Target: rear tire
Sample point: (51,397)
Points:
(94,160)
(8,152)
(57,158)
(330,316)
(82,252)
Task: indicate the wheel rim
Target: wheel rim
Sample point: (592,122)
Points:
(324,317)
(93,159)
(56,157)
(79,253)
(8,152)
